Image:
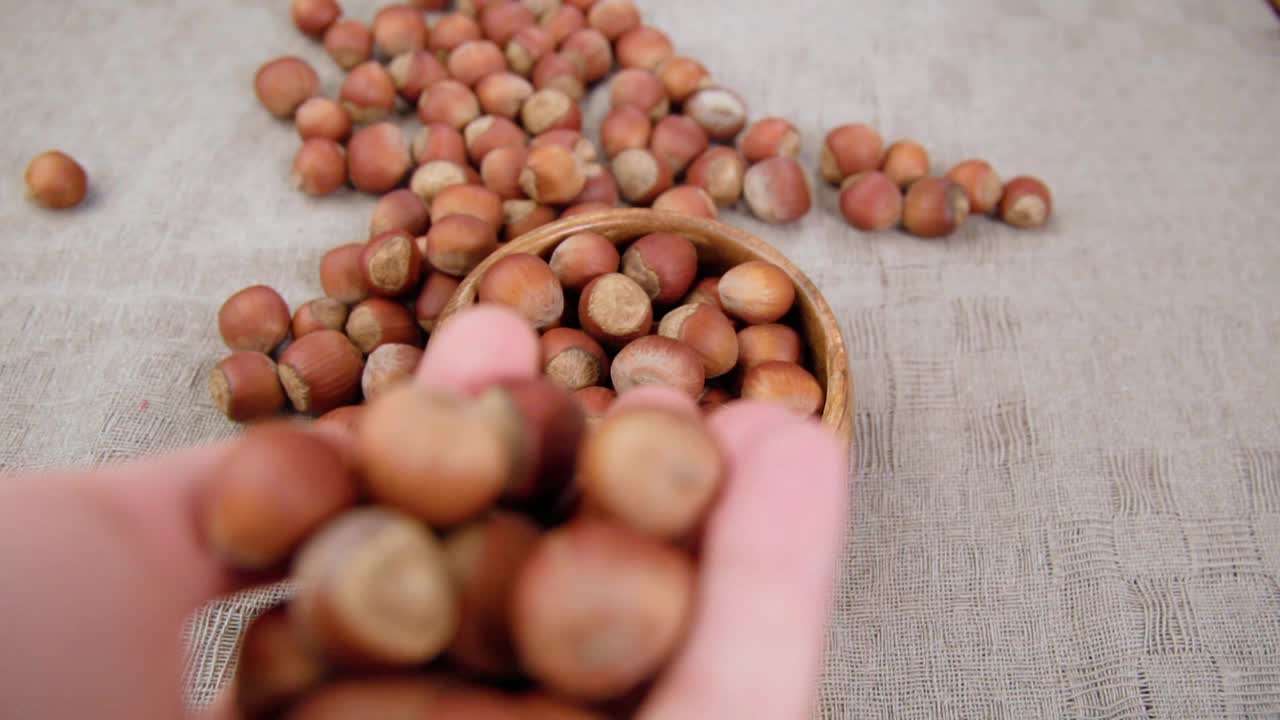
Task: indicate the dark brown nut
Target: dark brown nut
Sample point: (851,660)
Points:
(451,31)
(658,360)
(319,314)
(569,139)
(438,141)
(550,109)
(321,117)
(905,162)
(625,128)
(321,371)
(313,17)
(379,321)
(591,52)
(785,384)
(600,186)
(349,43)
(523,216)
(488,132)
(414,72)
(285,83)
(458,243)
(471,62)
(552,175)
(934,207)
(687,200)
(708,331)
(562,23)
(554,71)
(399,29)
(777,190)
(770,137)
(378,158)
(437,291)
(340,274)
(373,588)
(245,387)
(255,318)
(436,176)
(526,284)
(595,402)
(706,291)
(1026,202)
(719,171)
(399,210)
(756,292)
(765,343)
(55,180)
(527,47)
(503,94)
(572,360)
(682,77)
(319,167)
(388,366)
(614,17)
(391,264)
(474,200)
(644,47)
(583,257)
(500,170)
(641,89)
(448,102)
(981,185)
(543,429)
(678,140)
(275,667)
(641,175)
(663,264)
(849,150)
(615,310)
(871,201)
(721,112)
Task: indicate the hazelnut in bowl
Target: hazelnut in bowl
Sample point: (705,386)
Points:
(631,297)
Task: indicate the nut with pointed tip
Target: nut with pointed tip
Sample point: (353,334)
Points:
(474,200)
(706,292)
(550,109)
(554,71)
(388,366)
(392,264)
(436,176)
(770,137)
(682,77)
(663,264)
(321,371)
(641,89)
(313,17)
(643,47)
(625,128)
(526,284)
(1026,202)
(488,132)
(934,207)
(399,210)
(615,310)
(500,170)
(562,23)
(905,162)
(527,47)
(708,331)
(721,112)
(552,175)
(255,318)
(319,314)
(756,292)
(349,43)
(275,668)
(319,167)
(414,72)
(437,291)
(378,158)
(783,383)
(448,102)
(503,94)
(472,61)
(285,83)
(589,50)
(523,216)
(981,185)
(658,360)
(458,243)
(764,343)
(720,171)
(245,387)
(320,117)
(613,18)
(871,201)
(438,141)
(583,257)
(849,150)
(340,274)
(572,359)
(379,321)
(777,190)
(678,140)
(399,29)
(641,175)
(687,200)
(368,93)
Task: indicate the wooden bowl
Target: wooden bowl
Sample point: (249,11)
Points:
(719,247)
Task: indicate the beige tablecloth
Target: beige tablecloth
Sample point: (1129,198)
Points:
(1066,487)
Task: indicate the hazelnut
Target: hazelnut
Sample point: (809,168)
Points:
(349,43)
(1026,202)
(314,17)
(448,102)
(678,140)
(399,29)
(523,216)
(708,331)
(438,141)
(437,291)
(527,47)
(341,276)
(663,264)
(458,243)
(756,292)
(764,343)
(552,175)
(600,186)
(488,132)
(785,384)
(373,588)
(379,321)
(658,360)
(572,360)
(595,402)
(632,601)
(377,158)
(542,427)
(526,284)
(656,471)
(391,264)
(503,94)
(451,31)
(562,23)
(706,292)
(641,89)
(905,162)
(644,47)
(437,176)
(502,21)
(285,83)
(399,210)
(777,190)
(320,167)
(770,137)
(721,112)
(615,310)
(713,399)
(55,180)
(275,668)
(388,366)
(585,208)
(321,117)
(614,17)
(641,175)
(719,171)
(321,371)
(472,61)
(474,200)
(871,201)
(550,109)
(934,207)
(415,71)
(981,185)
(542,8)
(255,318)
(275,486)
(569,139)
(682,76)
(319,314)
(501,170)
(583,257)
(347,418)
(555,72)
(245,387)
(591,52)
(687,200)
(849,150)
(625,128)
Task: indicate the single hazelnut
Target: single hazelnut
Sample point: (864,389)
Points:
(678,140)
(687,200)
(770,137)
(658,360)
(562,23)
(438,141)
(503,94)
(682,77)
(905,162)
(345,418)
(436,176)
(614,17)
(55,180)
(644,47)
(349,43)
(572,360)
(595,402)
(663,264)
(285,83)
(474,200)
(642,176)
(373,588)
(399,29)
(437,291)
(488,132)
(378,158)
(275,486)
(319,167)
(379,321)
(632,601)
(458,243)
(934,207)
(625,128)
(501,21)
(451,31)
(341,276)
(714,398)
(849,150)
(275,667)
(391,264)
(582,257)
(600,186)
(550,109)
(542,428)
(585,208)
(319,314)
(1026,202)
(765,343)
(719,171)
(320,371)
(526,284)
(552,175)
(706,292)
(472,61)
(255,318)
(321,117)
(569,139)
(523,216)
(314,17)
(641,89)
(591,52)
(708,331)
(387,366)
(785,384)
(871,201)
(448,102)
(756,292)
(414,72)
(981,185)
(245,387)
(527,47)
(554,71)
(777,190)
(721,112)
(399,210)
(500,170)
(615,310)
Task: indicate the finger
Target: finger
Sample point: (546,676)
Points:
(655,396)
(769,564)
(478,347)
